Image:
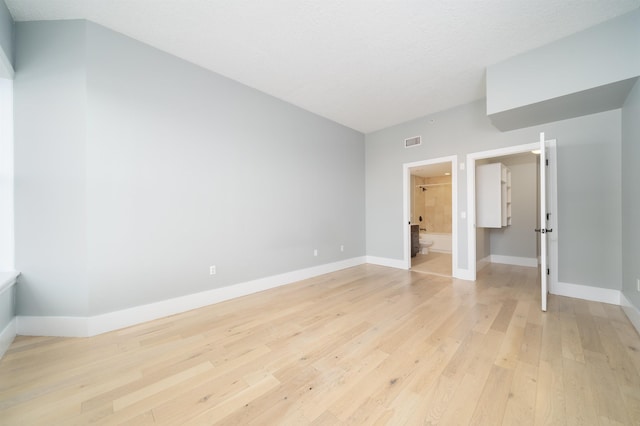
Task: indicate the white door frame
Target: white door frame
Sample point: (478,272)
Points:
(471,203)
(7,225)
(406,216)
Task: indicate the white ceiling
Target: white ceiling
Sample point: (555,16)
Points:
(367,64)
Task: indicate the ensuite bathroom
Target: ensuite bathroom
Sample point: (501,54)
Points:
(431,220)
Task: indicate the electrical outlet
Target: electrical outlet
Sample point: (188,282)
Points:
(341,248)
(212,270)
(315,252)
(638,284)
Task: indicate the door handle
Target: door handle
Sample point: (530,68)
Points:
(543,231)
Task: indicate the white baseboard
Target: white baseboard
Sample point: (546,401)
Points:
(578,291)
(27,325)
(91,326)
(439,251)
(514,260)
(631,311)
(6,337)
(383,261)
(463,274)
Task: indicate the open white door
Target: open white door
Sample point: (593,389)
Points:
(544,218)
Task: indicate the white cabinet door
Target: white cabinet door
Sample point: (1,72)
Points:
(493,189)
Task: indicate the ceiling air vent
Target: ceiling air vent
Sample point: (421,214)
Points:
(414,141)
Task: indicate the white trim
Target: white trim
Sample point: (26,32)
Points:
(52,326)
(631,311)
(585,292)
(7,235)
(7,279)
(513,260)
(91,326)
(6,336)
(406,206)
(384,261)
(463,274)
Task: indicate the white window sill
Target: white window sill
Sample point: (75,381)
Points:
(7,279)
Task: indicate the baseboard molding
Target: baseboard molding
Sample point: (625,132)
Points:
(383,261)
(27,325)
(514,260)
(94,325)
(6,337)
(631,311)
(463,274)
(578,291)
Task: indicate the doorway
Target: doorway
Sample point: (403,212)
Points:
(551,216)
(430,213)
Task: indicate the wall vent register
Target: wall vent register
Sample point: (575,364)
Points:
(414,141)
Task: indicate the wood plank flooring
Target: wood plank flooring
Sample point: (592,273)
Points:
(366,345)
(432,263)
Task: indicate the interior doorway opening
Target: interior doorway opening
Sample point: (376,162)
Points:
(550,215)
(430,229)
(507,205)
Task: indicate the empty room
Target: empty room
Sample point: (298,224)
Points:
(323,213)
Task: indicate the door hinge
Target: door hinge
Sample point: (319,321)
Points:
(546,162)
(548,216)
(548,272)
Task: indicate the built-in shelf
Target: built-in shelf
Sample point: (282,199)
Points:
(493,196)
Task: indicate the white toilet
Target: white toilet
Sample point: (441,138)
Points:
(424,244)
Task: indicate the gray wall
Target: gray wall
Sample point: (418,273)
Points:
(610,51)
(631,196)
(6,42)
(483,243)
(7,307)
(518,239)
(50,169)
(588,184)
(7,298)
(177,169)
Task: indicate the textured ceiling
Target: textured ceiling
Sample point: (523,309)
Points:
(367,64)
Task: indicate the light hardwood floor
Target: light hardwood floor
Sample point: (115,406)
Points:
(367,345)
(432,263)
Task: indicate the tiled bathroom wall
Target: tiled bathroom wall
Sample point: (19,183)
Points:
(433,205)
